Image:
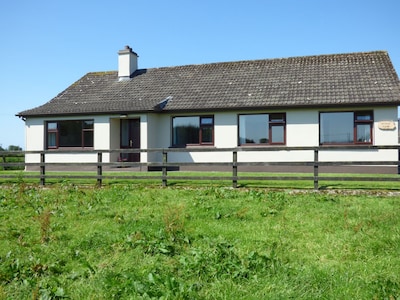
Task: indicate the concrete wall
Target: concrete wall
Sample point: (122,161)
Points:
(385,136)
(302,129)
(35,140)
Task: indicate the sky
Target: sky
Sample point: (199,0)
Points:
(47,45)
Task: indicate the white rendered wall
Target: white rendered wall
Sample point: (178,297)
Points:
(158,132)
(225,133)
(385,136)
(34,132)
(143,137)
(302,129)
(115,127)
(298,129)
(34,138)
(102,136)
(380,137)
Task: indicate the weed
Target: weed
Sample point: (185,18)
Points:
(125,242)
(44,221)
(241,213)
(3,295)
(174,221)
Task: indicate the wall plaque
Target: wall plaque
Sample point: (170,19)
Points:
(386,125)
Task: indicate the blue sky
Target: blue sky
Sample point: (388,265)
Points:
(47,45)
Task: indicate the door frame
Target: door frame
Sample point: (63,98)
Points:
(130,139)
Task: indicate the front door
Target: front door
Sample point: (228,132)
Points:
(130,139)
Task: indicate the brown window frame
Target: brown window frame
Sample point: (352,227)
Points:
(356,121)
(369,122)
(199,131)
(58,131)
(274,120)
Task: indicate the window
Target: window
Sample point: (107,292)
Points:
(346,127)
(193,130)
(52,134)
(76,133)
(260,129)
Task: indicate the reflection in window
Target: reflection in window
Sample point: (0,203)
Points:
(346,127)
(193,130)
(277,134)
(337,128)
(52,133)
(262,129)
(71,133)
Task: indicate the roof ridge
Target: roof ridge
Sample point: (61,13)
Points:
(319,56)
(308,57)
(102,73)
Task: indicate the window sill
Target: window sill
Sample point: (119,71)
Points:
(346,144)
(192,147)
(262,145)
(71,149)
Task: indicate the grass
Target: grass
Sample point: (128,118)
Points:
(135,242)
(11,159)
(277,180)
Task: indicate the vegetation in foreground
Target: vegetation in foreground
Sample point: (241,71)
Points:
(182,179)
(133,242)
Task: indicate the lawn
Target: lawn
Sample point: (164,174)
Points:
(187,178)
(185,242)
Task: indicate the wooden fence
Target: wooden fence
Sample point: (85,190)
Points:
(164,166)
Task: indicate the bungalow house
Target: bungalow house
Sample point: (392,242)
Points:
(339,99)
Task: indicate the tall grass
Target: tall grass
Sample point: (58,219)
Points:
(135,242)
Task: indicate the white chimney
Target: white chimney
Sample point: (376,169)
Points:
(127,63)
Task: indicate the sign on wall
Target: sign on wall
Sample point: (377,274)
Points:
(386,125)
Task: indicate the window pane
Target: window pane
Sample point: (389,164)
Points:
(52,126)
(277,134)
(277,118)
(363,116)
(124,133)
(185,130)
(74,133)
(88,138)
(52,139)
(337,128)
(88,124)
(207,121)
(206,134)
(70,133)
(363,133)
(253,129)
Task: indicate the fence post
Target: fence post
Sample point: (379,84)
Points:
(398,162)
(316,169)
(164,168)
(234,169)
(4,161)
(42,169)
(99,169)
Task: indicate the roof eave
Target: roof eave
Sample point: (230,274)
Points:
(208,110)
(277,107)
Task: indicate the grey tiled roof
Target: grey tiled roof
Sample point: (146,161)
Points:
(355,79)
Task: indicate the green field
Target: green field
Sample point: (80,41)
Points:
(186,242)
(191,178)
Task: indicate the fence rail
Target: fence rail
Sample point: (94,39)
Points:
(12,160)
